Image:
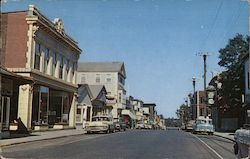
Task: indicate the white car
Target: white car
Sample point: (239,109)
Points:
(100,123)
(140,126)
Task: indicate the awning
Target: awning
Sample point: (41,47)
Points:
(129,113)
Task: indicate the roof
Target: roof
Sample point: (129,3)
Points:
(149,104)
(5,72)
(102,67)
(96,89)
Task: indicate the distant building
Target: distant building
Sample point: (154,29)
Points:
(110,74)
(91,102)
(152,112)
(35,47)
(138,108)
(129,113)
(198,105)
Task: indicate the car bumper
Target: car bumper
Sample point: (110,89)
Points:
(96,129)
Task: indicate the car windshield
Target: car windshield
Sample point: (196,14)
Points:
(100,119)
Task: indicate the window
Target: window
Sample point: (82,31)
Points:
(46,60)
(54,64)
(108,79)
(67,70)
(83,78)
(61,67)
(121,80)
(37,56)
(98,78)
(120,97)
(74,67)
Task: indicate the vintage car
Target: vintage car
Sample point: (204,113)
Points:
(100,123)
(120,125)
(140,126)
(189,126)
(203,125)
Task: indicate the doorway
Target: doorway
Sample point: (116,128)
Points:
(5,113)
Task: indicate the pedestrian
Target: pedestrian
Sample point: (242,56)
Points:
(241,148)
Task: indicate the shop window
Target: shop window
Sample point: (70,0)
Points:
(65,111)
(37,56)
(40,105)
(44,101)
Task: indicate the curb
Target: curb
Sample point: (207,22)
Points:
(22,142)
(224,137)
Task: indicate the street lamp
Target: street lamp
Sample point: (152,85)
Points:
(211,94)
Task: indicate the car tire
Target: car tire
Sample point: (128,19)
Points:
(107,131)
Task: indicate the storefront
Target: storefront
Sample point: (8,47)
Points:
(9,100)
(50,107)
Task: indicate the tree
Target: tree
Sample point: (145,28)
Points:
(183,113)
(232,79)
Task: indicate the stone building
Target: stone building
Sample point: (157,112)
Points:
(39,48)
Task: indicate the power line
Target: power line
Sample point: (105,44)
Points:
(213,24)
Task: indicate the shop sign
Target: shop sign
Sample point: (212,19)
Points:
(110,101)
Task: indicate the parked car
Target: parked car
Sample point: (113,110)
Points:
(203,125)
(100,123)
(120,125)
(190,125)
(148,126)
(140,126)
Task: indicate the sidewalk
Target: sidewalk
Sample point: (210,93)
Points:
(36,136)
(229,136)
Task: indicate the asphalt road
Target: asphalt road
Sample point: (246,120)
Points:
(134,144)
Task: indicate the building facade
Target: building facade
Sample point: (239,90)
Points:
(138,108)
(199,108)
(36,47)
(9,101)
(152,112)
(110,74)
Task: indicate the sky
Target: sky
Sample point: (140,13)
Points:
(158,40)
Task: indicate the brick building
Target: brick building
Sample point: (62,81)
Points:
(36,47)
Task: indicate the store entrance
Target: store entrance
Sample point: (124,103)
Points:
(5,113)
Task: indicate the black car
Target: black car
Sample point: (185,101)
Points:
(120,126)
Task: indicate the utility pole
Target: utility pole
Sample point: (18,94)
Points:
(204,55)
(194,101)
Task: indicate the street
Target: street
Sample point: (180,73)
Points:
(144,144)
